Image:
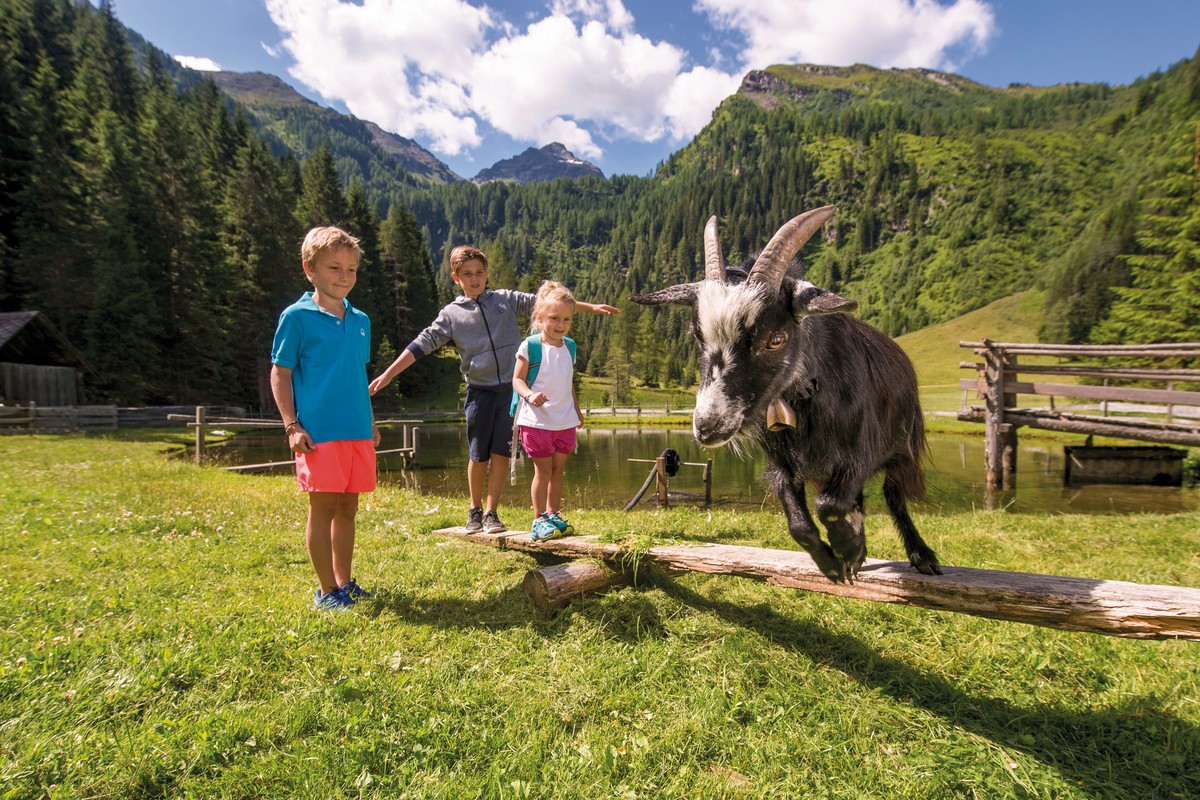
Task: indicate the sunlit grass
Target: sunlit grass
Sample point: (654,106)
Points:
(156,639)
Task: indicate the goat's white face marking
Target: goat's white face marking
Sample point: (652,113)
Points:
(726,312)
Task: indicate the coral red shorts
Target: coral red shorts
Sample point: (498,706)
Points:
(341,466)
(541,443)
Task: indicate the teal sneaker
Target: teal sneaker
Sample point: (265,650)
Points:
(544,529)
(356,592)
(563,526)
(337,600)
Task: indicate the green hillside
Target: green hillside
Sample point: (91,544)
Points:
(936,354)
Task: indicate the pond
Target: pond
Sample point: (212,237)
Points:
(600,476)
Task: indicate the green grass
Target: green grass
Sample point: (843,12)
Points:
(156,640)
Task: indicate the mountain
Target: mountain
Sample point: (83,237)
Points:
(950,195)
(549,163)
(300,124)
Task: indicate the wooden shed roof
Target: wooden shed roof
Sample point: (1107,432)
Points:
(47,343)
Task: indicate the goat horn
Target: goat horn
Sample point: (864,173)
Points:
(714,259)
(780,415)
(774,259)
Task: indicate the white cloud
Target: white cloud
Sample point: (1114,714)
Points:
(198,62)
(436,70)
(883,33)
(399,63)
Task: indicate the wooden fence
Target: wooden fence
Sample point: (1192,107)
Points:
(1139,381)
(200,421)
(50,419)
(636,410)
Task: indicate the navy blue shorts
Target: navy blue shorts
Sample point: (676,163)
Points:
(489,425)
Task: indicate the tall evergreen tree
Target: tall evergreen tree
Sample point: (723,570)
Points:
(321,201)
(414,304)
(258,239)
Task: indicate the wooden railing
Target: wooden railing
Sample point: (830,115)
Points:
(1148,414)
(201,422)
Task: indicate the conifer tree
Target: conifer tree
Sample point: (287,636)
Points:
(321,201)
(413,302)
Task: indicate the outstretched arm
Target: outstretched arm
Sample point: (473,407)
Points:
(402,363)
(596,308)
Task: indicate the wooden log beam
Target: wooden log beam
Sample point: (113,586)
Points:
(1112,608)
(1101,427)
(553,587)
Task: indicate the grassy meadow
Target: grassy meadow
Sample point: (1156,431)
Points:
(157,640)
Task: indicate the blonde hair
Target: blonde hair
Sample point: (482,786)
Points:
(464,253)
(550,292)
(325,239)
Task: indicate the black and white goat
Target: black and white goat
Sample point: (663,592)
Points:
(831,399)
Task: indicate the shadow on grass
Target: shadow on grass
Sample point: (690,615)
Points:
(1134,750)
(509,608)
(626,616)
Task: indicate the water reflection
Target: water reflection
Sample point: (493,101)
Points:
(599,475)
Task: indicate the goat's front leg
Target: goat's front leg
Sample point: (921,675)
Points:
(801,526)
(840,509)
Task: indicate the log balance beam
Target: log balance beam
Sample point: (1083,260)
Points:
(1112,608)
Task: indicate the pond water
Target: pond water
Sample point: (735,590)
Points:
(600,476)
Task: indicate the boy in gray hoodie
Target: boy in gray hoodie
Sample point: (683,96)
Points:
(482,324)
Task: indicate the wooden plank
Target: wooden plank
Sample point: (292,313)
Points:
(1114,373)
(1120,393)
(1117,393)
(1080,350)
(1101,427)
(1112,608)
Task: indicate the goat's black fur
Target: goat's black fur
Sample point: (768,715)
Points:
(854,393)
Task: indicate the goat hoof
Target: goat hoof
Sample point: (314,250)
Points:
(925,563)
(830,565)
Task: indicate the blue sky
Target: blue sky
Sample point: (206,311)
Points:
(624,83)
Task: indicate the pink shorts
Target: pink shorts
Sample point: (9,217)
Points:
(541,443)
(346,466)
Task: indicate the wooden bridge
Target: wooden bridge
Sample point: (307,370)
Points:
(1159,414)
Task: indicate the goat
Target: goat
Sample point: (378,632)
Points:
(831,399)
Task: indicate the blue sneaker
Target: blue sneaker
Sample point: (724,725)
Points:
(563,526)
(356,592)
(544,529)
(337,600)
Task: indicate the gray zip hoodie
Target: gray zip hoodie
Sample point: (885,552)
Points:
(485,333)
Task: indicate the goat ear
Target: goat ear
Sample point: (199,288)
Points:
(684,295)
(809,299)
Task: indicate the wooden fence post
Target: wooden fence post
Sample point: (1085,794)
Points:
(660,481)
(199,434)
(1008,455)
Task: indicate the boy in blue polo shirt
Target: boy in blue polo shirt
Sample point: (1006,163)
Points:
(319,380)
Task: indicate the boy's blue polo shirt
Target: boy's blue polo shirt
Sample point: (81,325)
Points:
(328,358)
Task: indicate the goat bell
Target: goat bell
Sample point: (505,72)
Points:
(780,415)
